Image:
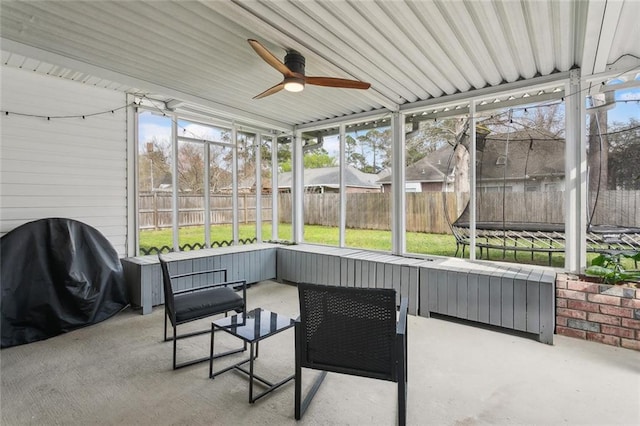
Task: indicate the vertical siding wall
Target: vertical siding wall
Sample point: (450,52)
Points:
(74,168)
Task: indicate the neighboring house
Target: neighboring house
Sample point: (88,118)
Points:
(327,179)
(529,160)
(426,174)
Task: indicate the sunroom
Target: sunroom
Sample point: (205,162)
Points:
(496,137)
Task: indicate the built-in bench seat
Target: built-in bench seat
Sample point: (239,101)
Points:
(512,296)
(250,262)
(517,297)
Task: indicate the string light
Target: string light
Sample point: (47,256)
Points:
(59,117)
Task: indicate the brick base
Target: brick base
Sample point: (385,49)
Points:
(598,312)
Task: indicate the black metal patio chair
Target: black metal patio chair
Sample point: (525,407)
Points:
(192,304)
(354,331)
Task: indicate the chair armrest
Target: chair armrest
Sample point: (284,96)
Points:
(222,284)
(401,327)
(210,271)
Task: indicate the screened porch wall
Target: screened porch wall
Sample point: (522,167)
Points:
(63,167)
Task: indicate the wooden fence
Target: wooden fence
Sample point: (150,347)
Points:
(425,211)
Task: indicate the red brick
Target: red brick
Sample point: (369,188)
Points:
(617,331)
(601,298)
(562,321)
(630,303)
(603,319)
(561,303)
(571,313)
(614,310)
(583,286)
(603,338)
(630,323)
(570,332)
(570,294)
(630,344)
(561,284)
(583,306)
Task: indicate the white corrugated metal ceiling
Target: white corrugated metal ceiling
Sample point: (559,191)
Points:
(410,51)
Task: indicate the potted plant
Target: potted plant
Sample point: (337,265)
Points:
(610,268)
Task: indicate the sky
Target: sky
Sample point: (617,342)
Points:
(625,110)
(156,126)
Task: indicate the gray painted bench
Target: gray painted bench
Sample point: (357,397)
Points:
(251,262)
(516,297)
(511,296)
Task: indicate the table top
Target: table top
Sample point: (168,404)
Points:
(260,324)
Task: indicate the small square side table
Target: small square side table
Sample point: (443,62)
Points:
(258,325)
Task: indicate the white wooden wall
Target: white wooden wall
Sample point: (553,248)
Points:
(74,168)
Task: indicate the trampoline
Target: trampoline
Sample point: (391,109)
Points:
(519,176)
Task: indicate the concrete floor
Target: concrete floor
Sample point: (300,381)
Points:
(119,372)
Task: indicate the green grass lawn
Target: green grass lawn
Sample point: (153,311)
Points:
(417,242)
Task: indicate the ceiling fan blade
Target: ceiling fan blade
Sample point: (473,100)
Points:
(337,82)
(270,91)
(270,57)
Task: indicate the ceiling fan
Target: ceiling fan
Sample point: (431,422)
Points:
(293,71)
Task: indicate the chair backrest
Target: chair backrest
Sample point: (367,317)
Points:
(167,288)
(348,330)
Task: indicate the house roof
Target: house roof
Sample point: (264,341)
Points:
(533,153)
(529,153)
(194,58)
(330,177)
(431,168)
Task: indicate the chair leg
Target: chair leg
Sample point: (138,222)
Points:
(175,343)
(402,379)
(402,402)
(203,359)
(302,405)
(165,326)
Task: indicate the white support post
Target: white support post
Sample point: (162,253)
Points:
(398,200)
(258,154)
(133,237)
(234,184)
(275,194)
(175,222)
(472,181)
(297,187)
(343,188)
(207,194)
(575,176)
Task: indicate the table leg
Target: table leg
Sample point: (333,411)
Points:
(251,373)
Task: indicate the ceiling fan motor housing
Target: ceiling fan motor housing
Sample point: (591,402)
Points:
(295,62)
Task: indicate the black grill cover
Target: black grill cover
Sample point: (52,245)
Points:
(57,275)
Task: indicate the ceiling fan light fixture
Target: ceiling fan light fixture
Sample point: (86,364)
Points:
(292,69)
(293,84)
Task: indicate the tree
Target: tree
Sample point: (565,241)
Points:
(154,166)
(316,159)
(191,167)
(371,152)
(220,174)
(624,156)
(424,137)
(284,155)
